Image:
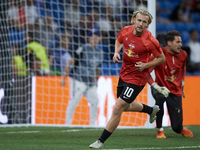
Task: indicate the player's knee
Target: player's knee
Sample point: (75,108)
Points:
(177,128)
(116,110)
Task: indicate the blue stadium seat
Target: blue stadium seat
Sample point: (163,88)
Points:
(170,26)
(164,15)
(197,73)
(160,26)
(185,37)
(114,69)
(180,26)
(105,69)
(190,26)
(169,5)
(16,37)
(195,17)
(189,74)
(198,27)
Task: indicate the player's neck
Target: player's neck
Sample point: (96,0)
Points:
(169,50)
(137,33)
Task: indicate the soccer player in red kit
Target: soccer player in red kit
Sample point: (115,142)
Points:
(138,44)
(169,83)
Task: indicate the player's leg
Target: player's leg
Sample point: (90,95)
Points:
(174,105)
(160,99)
(128,93)
(77,89)
(139,107)
(112,124)
(91,96)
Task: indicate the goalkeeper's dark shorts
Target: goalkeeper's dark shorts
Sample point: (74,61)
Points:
(127,91)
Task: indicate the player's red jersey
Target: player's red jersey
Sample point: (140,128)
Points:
(171,73)
(136,49)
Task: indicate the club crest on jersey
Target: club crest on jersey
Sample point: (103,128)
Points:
(131,46)
(130,53)
(173,71)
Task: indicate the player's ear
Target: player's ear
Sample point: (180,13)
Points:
(147,26)
(169,42)
(133,20)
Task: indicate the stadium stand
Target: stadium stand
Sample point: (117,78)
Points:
(56,9)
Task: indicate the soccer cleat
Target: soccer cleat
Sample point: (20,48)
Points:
(160,134)
(97,144)
(153,114)
(187,133)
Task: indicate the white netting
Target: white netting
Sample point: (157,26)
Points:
(58,28)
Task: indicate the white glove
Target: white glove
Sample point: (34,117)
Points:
(163,90)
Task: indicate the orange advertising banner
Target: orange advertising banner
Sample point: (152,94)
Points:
(51,100)
(50,103)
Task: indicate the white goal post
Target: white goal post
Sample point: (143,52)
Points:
(40,99)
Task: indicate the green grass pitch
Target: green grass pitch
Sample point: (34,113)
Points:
(65,138)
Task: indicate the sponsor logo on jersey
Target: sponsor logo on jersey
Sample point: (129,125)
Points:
(130,53)
(170,78)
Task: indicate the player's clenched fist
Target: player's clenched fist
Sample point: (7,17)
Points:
(140,66)
(116,58)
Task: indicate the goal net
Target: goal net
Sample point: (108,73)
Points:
(38,39)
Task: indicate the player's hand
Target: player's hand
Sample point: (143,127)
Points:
(183,89)
(116,58)
(183,94)
(62,82)
(163,90)
(140,66)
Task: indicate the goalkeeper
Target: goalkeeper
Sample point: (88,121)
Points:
(169,83)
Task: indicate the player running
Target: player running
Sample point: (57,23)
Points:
(170,75)
(138,44)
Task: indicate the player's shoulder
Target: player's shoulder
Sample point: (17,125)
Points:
(127,29)
(183,52)
(148,37)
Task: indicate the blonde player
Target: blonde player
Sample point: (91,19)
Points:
(138,44)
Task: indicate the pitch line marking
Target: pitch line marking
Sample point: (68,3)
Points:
(154,148)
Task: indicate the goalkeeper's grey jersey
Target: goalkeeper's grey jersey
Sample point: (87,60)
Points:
(87,61)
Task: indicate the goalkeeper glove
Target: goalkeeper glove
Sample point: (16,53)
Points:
(163,90)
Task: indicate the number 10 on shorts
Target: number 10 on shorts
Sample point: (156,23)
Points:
(128,92)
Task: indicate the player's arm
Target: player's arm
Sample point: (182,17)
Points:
(159,60)
(183,73)
(183,88)
(162,90)
(98,73)
(50,61)
(118,47)
(66,70)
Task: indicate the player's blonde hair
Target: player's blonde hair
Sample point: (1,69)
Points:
(142,12)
